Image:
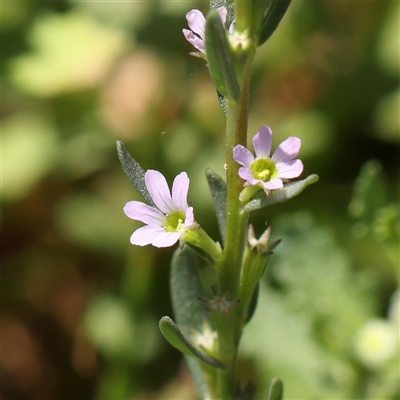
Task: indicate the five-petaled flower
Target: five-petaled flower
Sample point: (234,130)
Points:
(197,24)
(263,170)
(172,218)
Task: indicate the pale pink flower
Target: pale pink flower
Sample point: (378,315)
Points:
(197,24)
(269,172)
(172,218)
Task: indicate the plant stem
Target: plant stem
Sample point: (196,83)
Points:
(229,326)
(236,221)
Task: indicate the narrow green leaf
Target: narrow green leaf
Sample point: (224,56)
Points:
(219,58)
(190,313)
(173,335)
(260,8)
(176,338)
(253,303)
(134,172)
(218,193)
(278,196)
(275,391)
(272,17)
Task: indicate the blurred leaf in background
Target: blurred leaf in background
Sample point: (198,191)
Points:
(71,51)
(29,151)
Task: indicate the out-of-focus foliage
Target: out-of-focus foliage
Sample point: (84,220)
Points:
(70,52)
(80,305)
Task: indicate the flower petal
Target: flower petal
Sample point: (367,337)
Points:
(154,235)
(180,189)
(144,213)
(245,174)
(196,22)
(166,239)
(144,235)
(189,218)
(291,169)
(194,40)
(243,156)
(262,142)
(223,12)
(159,190)
(287,150)
(231,29)
(272,184)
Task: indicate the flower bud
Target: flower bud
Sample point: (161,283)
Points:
(254,263)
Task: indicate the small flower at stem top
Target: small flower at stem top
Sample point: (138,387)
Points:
(196,34)
(172,219)
(197,24)
(264,171)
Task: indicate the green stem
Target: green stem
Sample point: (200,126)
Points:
(229,326)
(236,222)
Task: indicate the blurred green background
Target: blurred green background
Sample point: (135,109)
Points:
(80,305)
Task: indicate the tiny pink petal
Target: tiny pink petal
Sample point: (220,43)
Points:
(159,190)
(289,170)
(144,235)
(180,189)
(196,22)
(194,40)
(262,142)
(155,236)
(223,12)
(232,27)
(287,150)
(243,156)
(143,213)
(189,218)
(272,184)
(245,174)
(165,239)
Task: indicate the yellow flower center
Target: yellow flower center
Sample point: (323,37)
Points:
(263,169)
(174,221)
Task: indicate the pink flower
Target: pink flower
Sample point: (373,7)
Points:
(263,170)
(172,218)
(197,24)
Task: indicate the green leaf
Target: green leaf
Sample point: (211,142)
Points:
(369,192)
(272,18)
(260,8)
(280,195)
(219,57)
(275,391)
(176,338)
(218,193)
(134,172)
(201,253)
(253,303)
(190,313)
